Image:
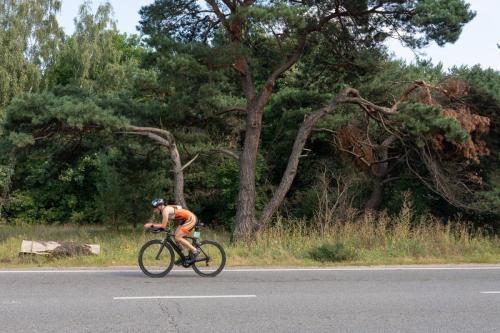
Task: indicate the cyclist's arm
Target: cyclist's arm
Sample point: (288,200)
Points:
(164,220)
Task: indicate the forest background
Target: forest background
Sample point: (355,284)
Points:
(250,113)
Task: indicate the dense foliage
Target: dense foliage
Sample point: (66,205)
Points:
(68,154)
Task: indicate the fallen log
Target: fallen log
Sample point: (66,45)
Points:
(58,249)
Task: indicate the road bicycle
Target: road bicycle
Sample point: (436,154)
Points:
(157,257)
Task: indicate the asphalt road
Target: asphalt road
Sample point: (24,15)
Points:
(427,299)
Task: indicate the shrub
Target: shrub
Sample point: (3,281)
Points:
(333,252)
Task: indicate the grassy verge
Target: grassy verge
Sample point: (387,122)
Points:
(369,241)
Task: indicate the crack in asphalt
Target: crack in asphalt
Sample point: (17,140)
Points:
(170,317)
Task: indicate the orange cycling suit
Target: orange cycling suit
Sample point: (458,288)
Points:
(187,220)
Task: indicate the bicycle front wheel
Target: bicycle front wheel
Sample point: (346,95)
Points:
(211,259)
(156,259)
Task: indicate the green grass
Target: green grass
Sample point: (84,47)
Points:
(366,241)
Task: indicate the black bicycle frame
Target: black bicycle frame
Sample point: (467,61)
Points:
(168,239)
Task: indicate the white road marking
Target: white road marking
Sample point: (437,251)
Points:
(490,292)
(184,297)
(362,269)
(73,271)
(243,270)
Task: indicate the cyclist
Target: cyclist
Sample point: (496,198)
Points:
(187,221)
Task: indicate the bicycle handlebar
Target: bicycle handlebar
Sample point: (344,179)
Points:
(156,230)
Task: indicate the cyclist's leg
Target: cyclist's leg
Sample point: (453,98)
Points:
(183,230)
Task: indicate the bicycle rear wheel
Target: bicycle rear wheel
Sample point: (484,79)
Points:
(211,259)
(156,259)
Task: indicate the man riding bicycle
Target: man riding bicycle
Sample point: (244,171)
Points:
(187,221)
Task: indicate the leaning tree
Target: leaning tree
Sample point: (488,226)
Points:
(430,134)
(287,30)
(35,118)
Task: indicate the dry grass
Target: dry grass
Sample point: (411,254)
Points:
(369,240)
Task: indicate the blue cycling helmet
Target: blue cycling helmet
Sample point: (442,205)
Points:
(156,202)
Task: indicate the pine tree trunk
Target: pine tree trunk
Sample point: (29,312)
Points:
(379,174)
(246,222)
(178,175)
(373,203)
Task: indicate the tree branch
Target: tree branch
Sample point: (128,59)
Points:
(150,135)
(158,131)
(227,152)
(359,157)
(241,110)
(352,96)
(323,130)
(220,15)
(291,60)
(388,180)
(191,161)
(229,5)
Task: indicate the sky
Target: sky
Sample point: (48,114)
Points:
(477,43)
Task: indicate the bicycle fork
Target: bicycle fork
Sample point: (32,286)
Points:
(159,251)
